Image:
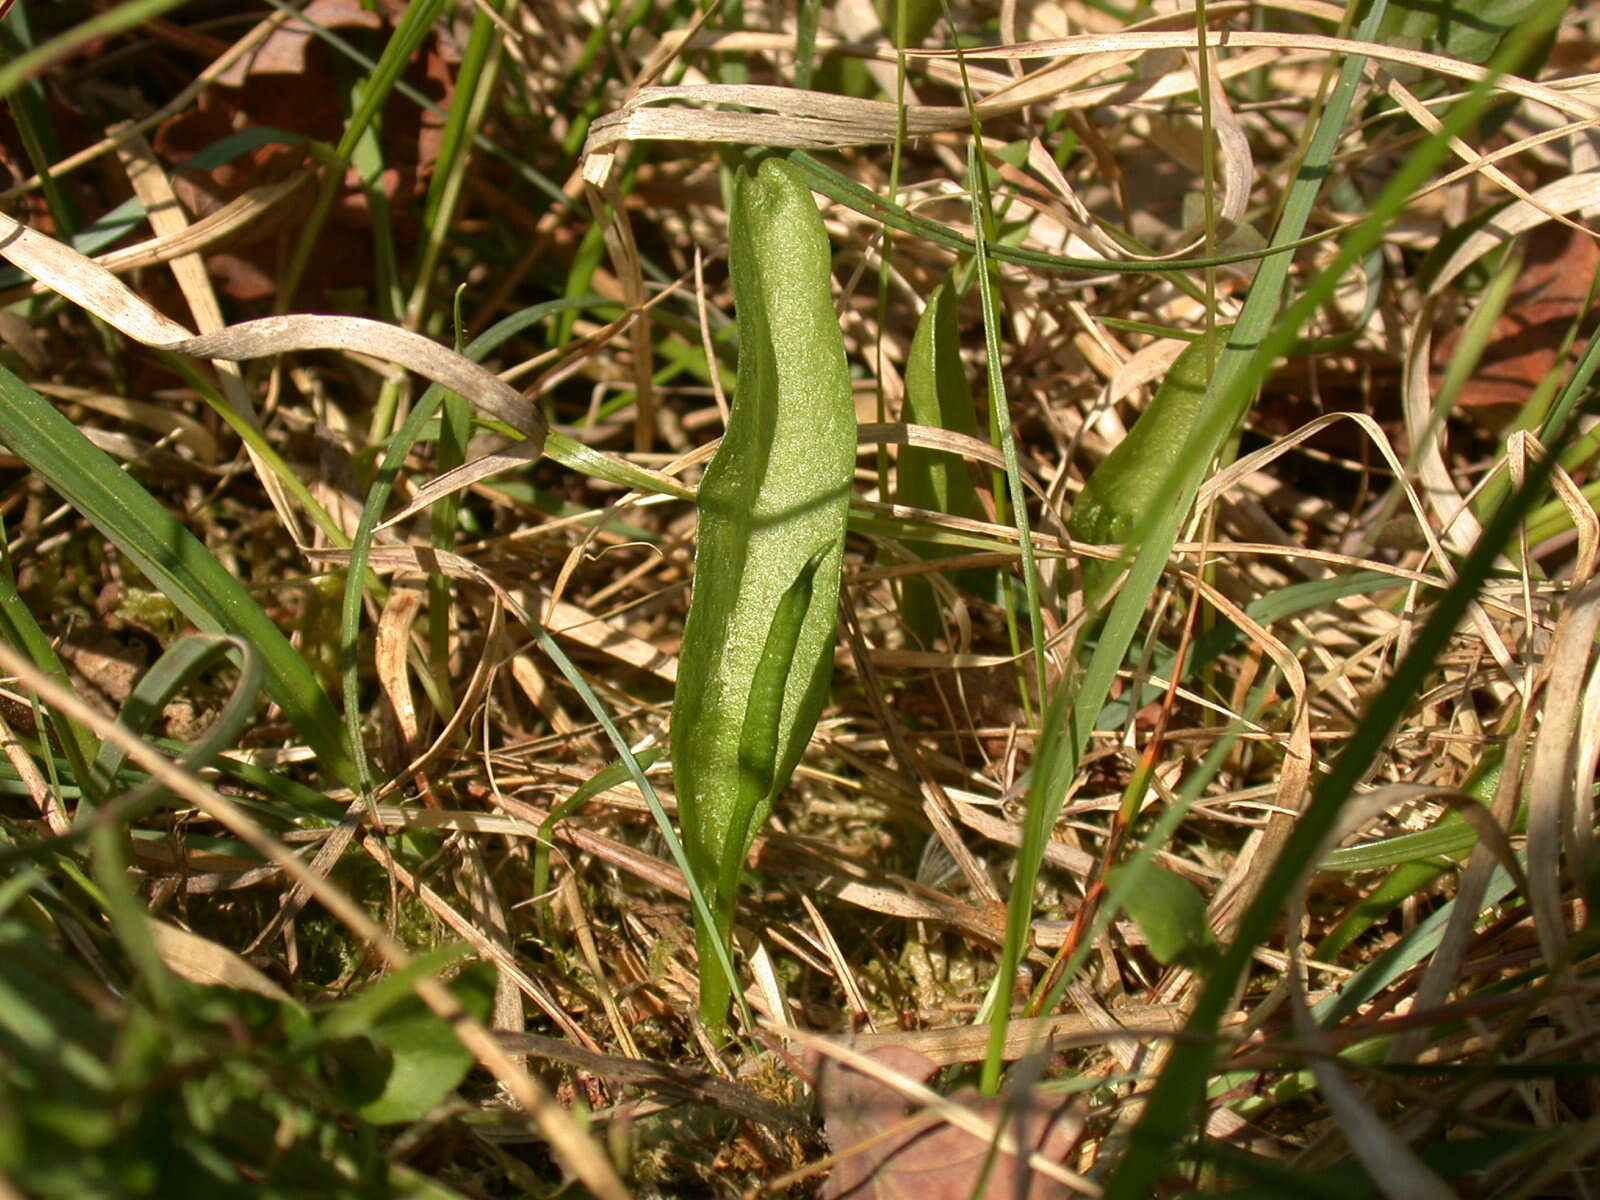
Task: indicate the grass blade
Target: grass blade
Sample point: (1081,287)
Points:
(172,557)
(1071,716)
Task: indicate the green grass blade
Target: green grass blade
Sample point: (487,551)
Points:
(1418,859)
(578,456)
(1228,397)
(703,913)
(1166,1118)
(170,556)
(515,162)
(825,181)
(475,81)
(181,663)
(1000,407)
(102,25)
(1072,714)
(607,777)
(20,628)
(1166,1121)
(30,112)
(403,43)
(1413,947)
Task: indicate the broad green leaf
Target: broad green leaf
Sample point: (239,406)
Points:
(1470,30)
(774,498)
(1170,912)
(938,395)
(428,1061)
(1129,490)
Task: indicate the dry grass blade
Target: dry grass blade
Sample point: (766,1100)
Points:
(1141,1023)
(1294,779)
(1453,515)
(672,1079)
(195,237)
(486,466)
(1330,182)
(1571,193)
(815,120)
(873,433)
(205,962)
(936,802)
(487,946)
(1443,969)
(1585,520)
(1554,787)
(96,290)
(39,789)
(573,903)
(1391,1162)
(1488,170)
(534,607)
(168,221)
(390,659)
(181,427)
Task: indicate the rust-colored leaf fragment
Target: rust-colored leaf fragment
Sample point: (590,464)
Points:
(284,51)
(292,83)
(1551,291)
(907,1155)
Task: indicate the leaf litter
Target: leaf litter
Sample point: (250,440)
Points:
(852,833)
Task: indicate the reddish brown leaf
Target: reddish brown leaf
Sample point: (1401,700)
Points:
(1522,348)
(284,51)
(889,1153)
(260,93)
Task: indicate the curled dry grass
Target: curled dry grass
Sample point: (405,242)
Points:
(1463,1013)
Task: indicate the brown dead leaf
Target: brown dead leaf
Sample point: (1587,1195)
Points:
(1522,349)
(403,730)
(888,1151)
(284,52)
(259,91)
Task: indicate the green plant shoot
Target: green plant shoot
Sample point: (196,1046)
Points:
(1126,489)
(937,394)
(758,643)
